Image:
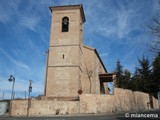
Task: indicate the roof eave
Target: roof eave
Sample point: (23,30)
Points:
(67,6)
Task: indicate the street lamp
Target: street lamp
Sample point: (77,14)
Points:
(11,78)
(29,100)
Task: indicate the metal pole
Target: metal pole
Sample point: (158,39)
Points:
(25,94)
(13,95)
(13,79)
(28,94)
(3,96)
(29,99)
(28,103)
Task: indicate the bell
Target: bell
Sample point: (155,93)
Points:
(65,23)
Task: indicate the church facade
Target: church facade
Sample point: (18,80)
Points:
(76,78)
(72,68)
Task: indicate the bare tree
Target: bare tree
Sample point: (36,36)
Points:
(155,30)
(89,72)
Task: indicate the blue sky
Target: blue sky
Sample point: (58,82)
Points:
(116,28)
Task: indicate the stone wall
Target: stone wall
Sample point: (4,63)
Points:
(64,63)
(44,107)
(121,101)
(91,69)
(72,37)
(62,83)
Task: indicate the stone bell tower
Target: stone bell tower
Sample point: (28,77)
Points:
(64,64)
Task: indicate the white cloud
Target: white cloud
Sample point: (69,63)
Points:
(104,55)
(16,62)
(8,9)
(123,24)
(116,22)
(29,22)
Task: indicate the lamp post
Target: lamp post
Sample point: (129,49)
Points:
(25,94)
(3,96)
(29,99)
(30,88)
(11,78)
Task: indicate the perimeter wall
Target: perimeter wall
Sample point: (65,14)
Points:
(123,100)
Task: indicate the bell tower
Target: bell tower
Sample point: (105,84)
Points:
(64,64)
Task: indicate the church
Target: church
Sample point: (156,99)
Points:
(72,68)
(76,78)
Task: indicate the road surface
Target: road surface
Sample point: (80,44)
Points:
(146,115)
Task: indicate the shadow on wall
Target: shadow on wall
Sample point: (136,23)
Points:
(151,101)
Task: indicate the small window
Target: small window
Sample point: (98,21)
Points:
(65,24)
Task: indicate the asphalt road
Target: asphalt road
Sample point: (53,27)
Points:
(85,117)
(120,116)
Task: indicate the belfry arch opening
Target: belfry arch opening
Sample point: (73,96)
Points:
(65,24)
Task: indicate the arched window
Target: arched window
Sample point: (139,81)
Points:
(65,24)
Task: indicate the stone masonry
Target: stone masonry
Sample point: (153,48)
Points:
(76,77)
(71,66)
